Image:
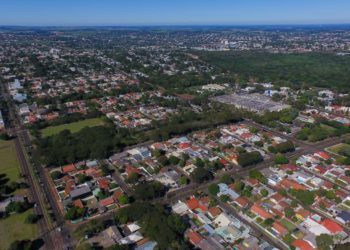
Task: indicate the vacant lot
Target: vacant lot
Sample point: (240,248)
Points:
(73,127)
(14,228)
(9,164)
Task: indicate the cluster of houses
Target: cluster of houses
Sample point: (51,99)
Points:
(271,205)
(211,227)
(127,234)
(31,114)
(322,164)
(146,163)
(86,185)
(336,113)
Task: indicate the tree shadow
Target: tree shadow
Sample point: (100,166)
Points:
(37,244)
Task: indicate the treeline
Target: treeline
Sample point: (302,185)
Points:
(294,70)
(249,158)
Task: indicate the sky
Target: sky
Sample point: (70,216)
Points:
(172,12)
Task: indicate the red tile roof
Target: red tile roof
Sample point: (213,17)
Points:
(184,145)
(281,230)
(130,170)
(242,202)
(117,195)
(68,168)
(277,197)
(253,182)
(246,135)
(214,211)
(78,203)
(193,203)
(292,184)
(323,155)
(103,183)
(332,226)
(258,210)
(107,201)
(194,237)
(290,167)
(303,213)
(321,169)
(302,245)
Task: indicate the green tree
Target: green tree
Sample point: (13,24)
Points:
(281,159)
(224,198)
(246,159)
(55,175)
(268,222)
(264,192)
(148,191)
(226,179)
(174,160)
(304,196)
(324,241)
(256,174)
(183,180)
(21,244)
(74,213)
(31,218)
(123,199)
(289,212)
(213,189)
(199,175)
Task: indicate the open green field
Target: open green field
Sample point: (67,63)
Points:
(73,127)
(339,149)
(14,228)
(9,163)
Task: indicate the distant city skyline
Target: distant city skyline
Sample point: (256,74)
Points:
(176,12)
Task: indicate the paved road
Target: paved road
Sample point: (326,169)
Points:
(39,194)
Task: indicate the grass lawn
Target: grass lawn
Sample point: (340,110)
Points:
(9,163)
(338,148)
(73,127)
(329,129)
(13,228)
(290,226)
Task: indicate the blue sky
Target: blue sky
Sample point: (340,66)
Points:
(172,12)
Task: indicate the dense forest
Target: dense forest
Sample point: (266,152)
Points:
(309,69)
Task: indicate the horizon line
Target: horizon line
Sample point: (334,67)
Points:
(175,25)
